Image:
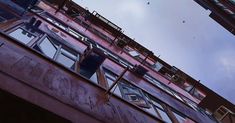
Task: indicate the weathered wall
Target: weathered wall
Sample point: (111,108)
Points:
(27,74)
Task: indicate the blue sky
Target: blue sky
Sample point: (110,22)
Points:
(199,46)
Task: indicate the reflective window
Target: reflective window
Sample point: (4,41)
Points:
(22,35)
(164,116)
(65,60)
(110,81)
(111,77)
(94,78)
(221,112)
(197,93)
(187,86)
(55,21)
(69,54)
(151,110)
(181,118)
(161,113)
(190,103)
(134,53)
(133,94)
(47,47)
(178,96)
(58,52)
(76,34)
(157,66)
(154,81)
(116,90)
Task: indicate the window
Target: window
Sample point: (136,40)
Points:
(67,58)
(110,78)
(76,34)
(22,35)
(58,52)
(177,96)
(154,81)
(221,112)
(181,118)
(134,53)
(190,103)
(157,66)
(55,21)
(47,47)
(160,112)
(187,86)
(133,94)
(125,90)
(94,78)
(123,63)
(197,93)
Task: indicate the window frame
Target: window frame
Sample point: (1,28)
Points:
(22,26)
(174,111)
(163,107)
(59,51)
(121,84)
(40,41)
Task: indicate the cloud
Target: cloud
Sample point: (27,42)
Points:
(201,47)
(226,63)
(132,9)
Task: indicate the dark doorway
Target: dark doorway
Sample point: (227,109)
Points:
(16,110)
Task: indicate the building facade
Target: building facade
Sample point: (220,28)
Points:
(61,63)
(222,11)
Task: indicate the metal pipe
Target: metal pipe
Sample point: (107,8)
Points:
(117,80)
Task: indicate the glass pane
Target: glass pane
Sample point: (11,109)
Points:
(110,75)
(47,48)
(110,81)
(164,116)
(22,35)
(151,110)
(94,78)
(178,97)
(180,118)
(157,66)
(72,56)
(157,104)
(65,60)
(116,91)
(133,94)
(134,53)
